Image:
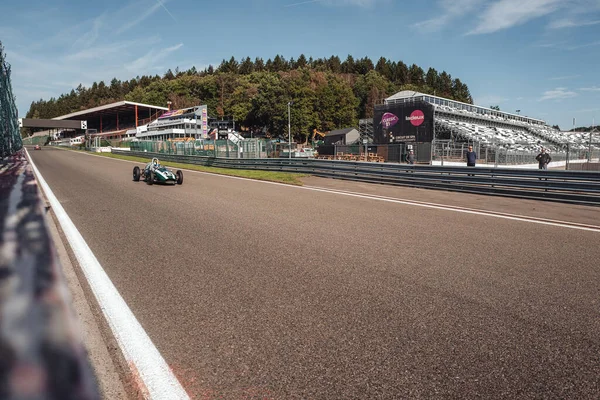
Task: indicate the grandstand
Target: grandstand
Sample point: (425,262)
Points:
(190,123)
(127,120)
(410,116)
(112,121)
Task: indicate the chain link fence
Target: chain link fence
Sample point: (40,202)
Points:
(450,152)
(395,153)
(248,148)
(39,139)
(10,137)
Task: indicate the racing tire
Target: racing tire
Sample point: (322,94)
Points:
(136,173)
(150,178)
(179,177)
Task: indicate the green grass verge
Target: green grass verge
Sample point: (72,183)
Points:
(271,176)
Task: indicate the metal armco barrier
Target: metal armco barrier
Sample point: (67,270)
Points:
(578,187)
(42,355)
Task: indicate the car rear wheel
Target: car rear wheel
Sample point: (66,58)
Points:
(150,180)
(136,173)
(179,177)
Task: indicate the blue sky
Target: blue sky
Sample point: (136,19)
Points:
(539,56)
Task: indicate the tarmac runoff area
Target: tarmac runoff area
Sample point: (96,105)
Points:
(343,290)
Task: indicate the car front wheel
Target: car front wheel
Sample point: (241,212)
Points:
(150,178)
(179,177)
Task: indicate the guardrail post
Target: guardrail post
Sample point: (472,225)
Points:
(42,355)
(564,186)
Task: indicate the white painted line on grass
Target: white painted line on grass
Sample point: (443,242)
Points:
(152,373)
(437,206)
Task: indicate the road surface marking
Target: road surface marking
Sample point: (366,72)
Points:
(143,357)
(416,203)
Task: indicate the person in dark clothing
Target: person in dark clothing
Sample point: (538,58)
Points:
(471,157)
(543,159)
(410,157)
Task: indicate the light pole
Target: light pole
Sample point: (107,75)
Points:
(289,130)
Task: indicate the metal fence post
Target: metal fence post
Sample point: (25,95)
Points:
(496,158)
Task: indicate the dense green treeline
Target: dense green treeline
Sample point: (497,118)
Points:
(326,93)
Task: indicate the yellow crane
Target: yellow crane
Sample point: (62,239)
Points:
(315,133)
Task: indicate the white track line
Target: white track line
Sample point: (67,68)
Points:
(416,203)
(459,208)
(148,366)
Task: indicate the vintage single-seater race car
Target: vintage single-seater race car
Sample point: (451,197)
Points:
(154,172)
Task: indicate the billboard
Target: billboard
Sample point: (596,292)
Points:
(170,114)
(401,123)
(204,116)
(52,123)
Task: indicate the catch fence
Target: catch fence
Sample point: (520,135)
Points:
(10,136)
(248,148)
(520,154)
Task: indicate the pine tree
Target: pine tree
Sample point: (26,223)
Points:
(383,68)
(246,67)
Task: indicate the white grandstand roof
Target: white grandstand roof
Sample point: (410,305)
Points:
(406,94)
(119,104)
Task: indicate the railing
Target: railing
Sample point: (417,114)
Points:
(42,355)
(496,154)
(578,187)
(10,136)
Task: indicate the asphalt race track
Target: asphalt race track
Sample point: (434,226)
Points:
(255,290)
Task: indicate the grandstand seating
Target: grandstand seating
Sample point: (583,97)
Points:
(498,132)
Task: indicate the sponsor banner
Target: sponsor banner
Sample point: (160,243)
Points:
(388,120)
(416,118)
(204,115)
(173,113)
(401,123)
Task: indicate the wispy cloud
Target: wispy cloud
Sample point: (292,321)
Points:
(162,4)
(504,14)
(89,38)
(140,18)
(552,44)
(591,89)
(577,14)
(584,45)
(451,10)
(564,78)
(302,3)
(98,52)
(360,3)
(149,60)
(571,23)
(493,16)
(557,94)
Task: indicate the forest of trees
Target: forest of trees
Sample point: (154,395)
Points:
(327,93)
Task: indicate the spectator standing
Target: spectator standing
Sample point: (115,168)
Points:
(543,159)
(410,158)
(471,157)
